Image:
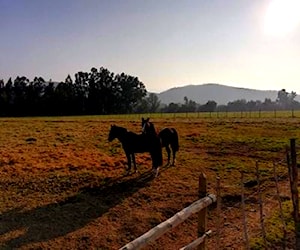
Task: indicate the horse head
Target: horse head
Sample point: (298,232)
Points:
(112,133)
(148,127)
(116,132)
(144,124)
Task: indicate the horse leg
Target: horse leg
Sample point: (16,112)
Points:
(174,156)
(128,156)
(169,154)
(155,167)
(134,163)
(156,171)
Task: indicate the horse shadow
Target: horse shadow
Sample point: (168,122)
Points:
(58,219)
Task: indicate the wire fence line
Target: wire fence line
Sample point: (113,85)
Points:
(255,195)
(212,115)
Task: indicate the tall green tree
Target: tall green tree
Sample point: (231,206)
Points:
(129,92)
(20,105)
(3,98)
(286,100)
(48,99)
(210,106)
(34,93)
(149,104)
(64,96)
(81,91)
(153,102)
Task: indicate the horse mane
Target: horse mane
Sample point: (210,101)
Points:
(150,127)
(120,128)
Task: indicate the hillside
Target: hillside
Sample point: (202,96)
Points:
(220,93)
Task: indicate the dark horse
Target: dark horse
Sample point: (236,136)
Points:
(138,143)
(168,136)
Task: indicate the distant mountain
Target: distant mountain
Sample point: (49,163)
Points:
(221,94)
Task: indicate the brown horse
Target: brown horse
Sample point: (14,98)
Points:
(168,136)
(138,143)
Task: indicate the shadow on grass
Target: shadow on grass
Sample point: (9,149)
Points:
(58,219)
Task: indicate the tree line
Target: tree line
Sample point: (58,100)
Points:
(284,101)
(95,92)
(101,92)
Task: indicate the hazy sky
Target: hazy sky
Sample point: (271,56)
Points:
(165,43)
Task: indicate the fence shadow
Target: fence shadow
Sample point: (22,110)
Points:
(58,219)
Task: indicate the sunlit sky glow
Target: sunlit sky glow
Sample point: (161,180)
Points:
(168,43)
(282,17)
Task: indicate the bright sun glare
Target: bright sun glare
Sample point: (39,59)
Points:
(282,17)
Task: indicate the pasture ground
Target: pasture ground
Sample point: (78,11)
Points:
(62,184)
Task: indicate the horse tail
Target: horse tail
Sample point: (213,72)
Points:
(157,153)
(175,140)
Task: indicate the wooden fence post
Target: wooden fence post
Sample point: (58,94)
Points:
(280,205)
(294,189)
(261,210)
(202,215)
(218,212)
(244,213)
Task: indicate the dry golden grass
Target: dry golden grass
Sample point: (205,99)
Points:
(62,184)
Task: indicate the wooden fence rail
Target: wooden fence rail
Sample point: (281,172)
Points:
(196,242)
(170,223)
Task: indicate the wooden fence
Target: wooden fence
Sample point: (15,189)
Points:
(199,206)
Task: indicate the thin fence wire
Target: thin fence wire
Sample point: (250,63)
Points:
(207,115)
(277,175)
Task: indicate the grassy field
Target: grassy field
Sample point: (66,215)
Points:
(62,184)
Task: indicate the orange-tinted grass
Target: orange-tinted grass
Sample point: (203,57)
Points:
(62,184)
